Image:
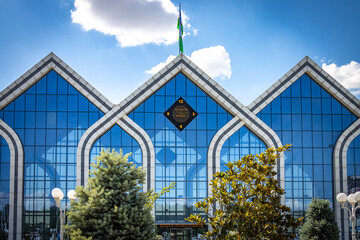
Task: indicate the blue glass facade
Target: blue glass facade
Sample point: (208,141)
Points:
(240,144)
(117,139)
(49,118)
(353,166)
(181,157)
(353,172)
(4,184)
(306,116)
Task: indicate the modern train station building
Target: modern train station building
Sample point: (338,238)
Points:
(181,126)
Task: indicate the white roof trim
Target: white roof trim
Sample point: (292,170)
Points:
(48,63)
(308,66)
(183,64)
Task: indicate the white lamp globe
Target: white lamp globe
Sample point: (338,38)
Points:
(357,196)
(341,197)
(71,195)
(351,198)
(57,194)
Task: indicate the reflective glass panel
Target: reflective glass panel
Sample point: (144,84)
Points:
(4,184)
(312,121)
(49,118)
(240,144)
(181,157)
(353,166)
(116,139)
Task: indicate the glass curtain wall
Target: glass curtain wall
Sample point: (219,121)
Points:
(4,187)
(306,116)
(353,174)
(49,118)
(116,139)
(181,156)
(240,144)
(353,166)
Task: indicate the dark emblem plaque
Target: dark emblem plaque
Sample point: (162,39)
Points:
(180,114)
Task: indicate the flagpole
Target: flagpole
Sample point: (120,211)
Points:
(179,27)
(181,31)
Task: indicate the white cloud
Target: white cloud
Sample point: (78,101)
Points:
(158,67)
(133,22)
(348,75)
(355,91)
(214,61)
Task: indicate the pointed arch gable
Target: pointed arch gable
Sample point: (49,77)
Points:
(338,92)
(53,62)
(340,171)
(16,177)
(50,63)
(180,64)
(225,133)
(101,127)
(308,66)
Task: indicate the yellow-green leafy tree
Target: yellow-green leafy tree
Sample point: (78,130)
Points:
(153,196)
(247,200)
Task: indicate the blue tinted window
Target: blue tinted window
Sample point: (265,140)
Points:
(181,157)
(49,133)
(241,143)
(4,183)
(116,139)
(306,116)
(353,166)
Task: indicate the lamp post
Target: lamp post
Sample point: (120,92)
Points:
(58,195)
(352,199)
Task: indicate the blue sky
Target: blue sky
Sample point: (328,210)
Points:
(114,43)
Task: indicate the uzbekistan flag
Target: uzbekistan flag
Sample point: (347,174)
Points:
(180,27)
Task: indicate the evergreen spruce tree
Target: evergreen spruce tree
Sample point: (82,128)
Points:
(112,205)
(319,222)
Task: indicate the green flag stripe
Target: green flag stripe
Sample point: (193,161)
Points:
(181,47)
(180,25)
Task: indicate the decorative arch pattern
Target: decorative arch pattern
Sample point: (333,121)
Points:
(16,183)
(340,170)
(197,76)
(337,91)
(129,127)
(243,116)
(227,131)
(17,90)
(201,79)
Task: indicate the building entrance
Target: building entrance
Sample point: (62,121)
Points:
(180,231)
(181,234)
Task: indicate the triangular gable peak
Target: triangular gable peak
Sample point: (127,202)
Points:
(242,115)
(53,62)
(184,65)
(328,83)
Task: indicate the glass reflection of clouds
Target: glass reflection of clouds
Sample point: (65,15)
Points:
(4,184)
(181,157)
(49,118)
(116,139)
(238,145)
(308,117)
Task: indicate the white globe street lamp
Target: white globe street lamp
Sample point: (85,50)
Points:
(58,195)
(352,199)
(71,195)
